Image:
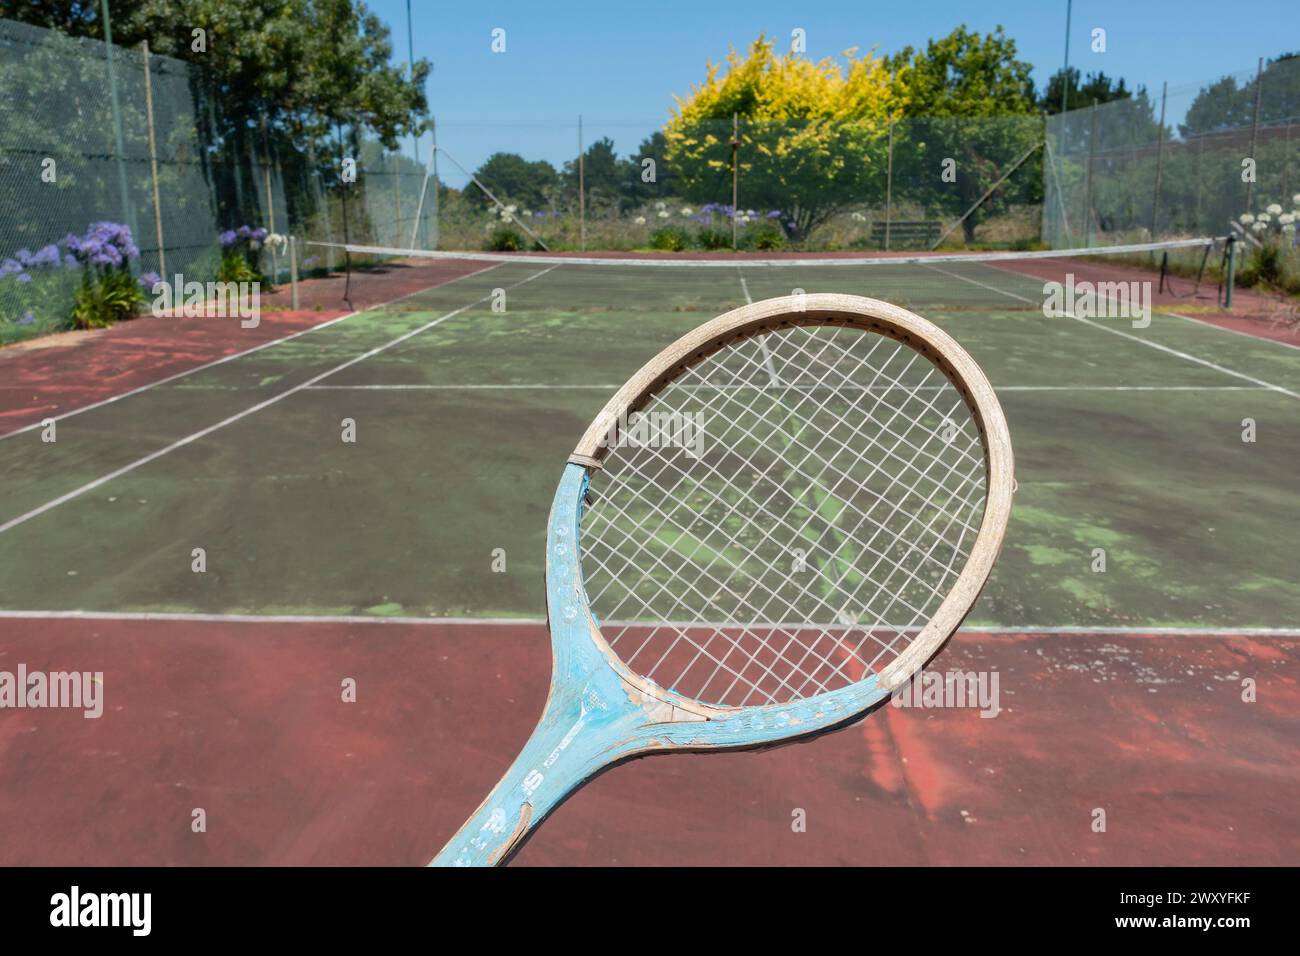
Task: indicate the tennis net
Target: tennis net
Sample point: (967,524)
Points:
(1176,273)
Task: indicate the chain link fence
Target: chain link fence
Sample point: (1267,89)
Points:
(1125,171)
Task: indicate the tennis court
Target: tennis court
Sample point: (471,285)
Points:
(466,393)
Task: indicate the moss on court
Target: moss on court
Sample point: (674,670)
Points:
(1198,527)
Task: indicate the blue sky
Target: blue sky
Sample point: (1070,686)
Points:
(619,62)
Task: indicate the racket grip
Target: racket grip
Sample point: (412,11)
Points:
(569,745)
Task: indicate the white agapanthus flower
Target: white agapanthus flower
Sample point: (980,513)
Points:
(1259,227)
(858,217)
(276,241)
(663,213)
(661,205)
(687,210)
(511,207)
(1273,209)
(1295,200)
(1286,218)
(1247,218)
(639,220)
(527,213)
(1263,217)
(1289,228)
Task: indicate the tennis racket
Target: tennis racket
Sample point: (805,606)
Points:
(767,530)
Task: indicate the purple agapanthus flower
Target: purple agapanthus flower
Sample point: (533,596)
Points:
(49,256)
(10,267)
(228,238)
(24,277)
(148,279)
(244,232)
(28,318)
(259,234)
(107,244)
(774,214)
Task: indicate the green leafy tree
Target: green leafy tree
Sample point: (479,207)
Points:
(634,191)
(513,179)
(1226,104)
(969,99)
(811,138)
(1082,92)
(602,175)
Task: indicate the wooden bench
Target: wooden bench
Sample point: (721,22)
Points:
(907,233)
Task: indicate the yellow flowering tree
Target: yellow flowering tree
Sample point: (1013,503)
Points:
(812,134)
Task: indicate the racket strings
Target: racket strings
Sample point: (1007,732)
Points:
(724,662)
(829,509)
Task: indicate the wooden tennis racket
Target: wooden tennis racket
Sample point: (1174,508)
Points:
(767,530)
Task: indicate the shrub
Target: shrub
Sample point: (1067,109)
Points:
(714,239)
(241,252)
(108,292)
(506,239)
(766,235)
(670,239)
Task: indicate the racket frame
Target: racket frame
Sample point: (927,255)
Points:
(599,712)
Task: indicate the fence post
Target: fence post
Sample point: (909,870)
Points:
(889,183)
(1160,145)
(1254,128)
(128,213)
(153,160)
(293,270)
(432,239)
(582,189)
(735,179)
(1087,189)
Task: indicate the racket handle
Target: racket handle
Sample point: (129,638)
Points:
(569,746)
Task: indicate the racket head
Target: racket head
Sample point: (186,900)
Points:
(793,335)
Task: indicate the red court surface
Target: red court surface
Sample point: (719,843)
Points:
(245,720)
(60,373)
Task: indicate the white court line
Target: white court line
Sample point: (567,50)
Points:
(1155,345)
(542,386)
(221,361)
(195,436)
(1222,328)
(1030,629)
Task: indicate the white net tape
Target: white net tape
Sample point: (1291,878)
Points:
(784,517)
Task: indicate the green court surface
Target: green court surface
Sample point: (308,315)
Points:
(1126,439)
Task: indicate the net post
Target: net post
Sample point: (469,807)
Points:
(153,159)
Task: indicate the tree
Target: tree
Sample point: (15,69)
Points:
(969,102)
(601,174)
(1225,104)
(1096,87)
(513,179)
(811,132)
(634,191)
(302,67)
